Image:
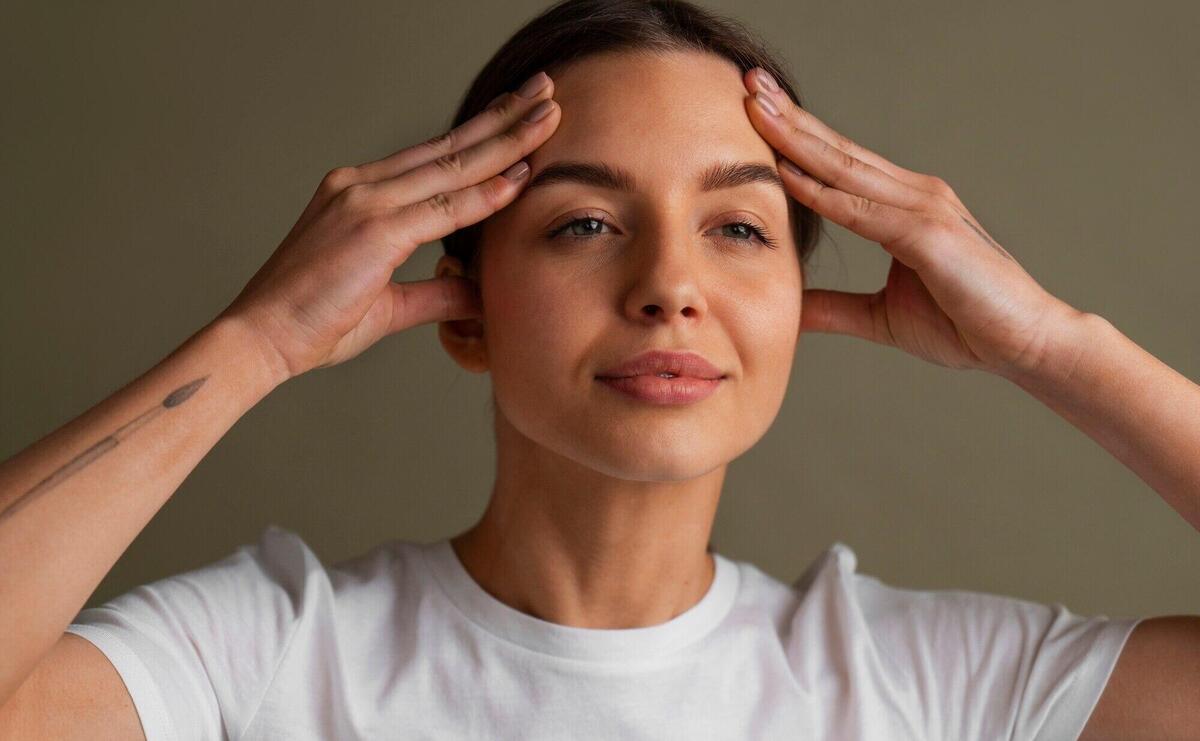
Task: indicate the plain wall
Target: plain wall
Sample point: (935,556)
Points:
(154,155)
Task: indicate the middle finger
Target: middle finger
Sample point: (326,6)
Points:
(501,113)
(829,164)
(476,163)
(806,120)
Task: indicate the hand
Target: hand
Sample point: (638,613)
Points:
(326,293)
(953,296)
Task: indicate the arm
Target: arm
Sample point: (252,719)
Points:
(1137,407)
(1148,416)
(71,503)
(955,297)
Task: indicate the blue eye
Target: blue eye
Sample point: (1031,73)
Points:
(756,231)
(592,222)
(595,224)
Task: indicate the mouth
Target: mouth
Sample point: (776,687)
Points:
(667,364)
(659,375)
(663,389)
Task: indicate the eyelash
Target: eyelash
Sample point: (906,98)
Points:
(760,232)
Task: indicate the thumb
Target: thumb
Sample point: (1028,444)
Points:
(433,300)
(842,312)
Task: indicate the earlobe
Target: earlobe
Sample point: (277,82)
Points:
(463,339)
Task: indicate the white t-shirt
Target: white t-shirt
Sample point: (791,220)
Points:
(401,643)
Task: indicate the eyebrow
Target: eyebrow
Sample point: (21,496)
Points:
(717,176)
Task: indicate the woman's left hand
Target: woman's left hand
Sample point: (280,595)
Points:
(953,295)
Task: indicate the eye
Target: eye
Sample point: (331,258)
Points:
(756,231)
(592,226)
(592,223)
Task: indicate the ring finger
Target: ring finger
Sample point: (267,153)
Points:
(829,164)
(806,120)
(474,164)
(504,111)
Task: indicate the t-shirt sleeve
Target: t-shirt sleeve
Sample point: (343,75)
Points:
(988,666)
(198,650)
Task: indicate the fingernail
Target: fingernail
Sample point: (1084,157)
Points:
(539,111)
(517,171)
(767,104)
(767,81)
(534,85)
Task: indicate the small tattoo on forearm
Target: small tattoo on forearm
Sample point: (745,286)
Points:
(81,461)
(986,238)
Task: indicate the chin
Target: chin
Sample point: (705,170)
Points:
(636,453)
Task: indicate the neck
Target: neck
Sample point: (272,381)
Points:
(573,546)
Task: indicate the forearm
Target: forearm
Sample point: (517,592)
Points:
(72,502)
(1137,407)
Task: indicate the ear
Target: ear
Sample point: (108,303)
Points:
(463,338)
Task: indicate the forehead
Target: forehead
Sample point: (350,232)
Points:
(663,116)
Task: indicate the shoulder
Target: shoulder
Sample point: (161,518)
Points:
(199,649)
(960,660)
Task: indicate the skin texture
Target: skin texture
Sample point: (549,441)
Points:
(602,506)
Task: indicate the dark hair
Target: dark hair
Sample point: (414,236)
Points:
(573,29)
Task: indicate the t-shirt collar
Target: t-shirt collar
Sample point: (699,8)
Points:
(593,644)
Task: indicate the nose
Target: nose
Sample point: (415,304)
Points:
(665,279)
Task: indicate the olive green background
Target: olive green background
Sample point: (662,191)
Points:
(154,155)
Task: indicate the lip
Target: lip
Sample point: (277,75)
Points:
(664,391)
(695,377)
(652,362)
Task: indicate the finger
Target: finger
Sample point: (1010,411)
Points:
(442,213)
(841,312)
(475,163)
(879,222)
(805,120)
(500,115)
(434,300)
(829,164)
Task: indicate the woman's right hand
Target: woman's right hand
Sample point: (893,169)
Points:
(326,293)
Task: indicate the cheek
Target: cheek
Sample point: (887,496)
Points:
(537,324)
(769,322)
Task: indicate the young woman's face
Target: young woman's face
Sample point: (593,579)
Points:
(669,268)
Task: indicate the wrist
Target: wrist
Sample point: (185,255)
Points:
(267,369)
(1062,360)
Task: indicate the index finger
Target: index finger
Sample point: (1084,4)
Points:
(501,114)
(755,82)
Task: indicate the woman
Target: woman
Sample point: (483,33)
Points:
(626,235)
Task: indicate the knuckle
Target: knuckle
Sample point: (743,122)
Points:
(443,143)
(514,134)
(450,163)
(338,179)
(443,205)
(861,209)
(501,107)
(845,160)
(493,194)
(939,186)
(844,142)
(796,132)
(830,152)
